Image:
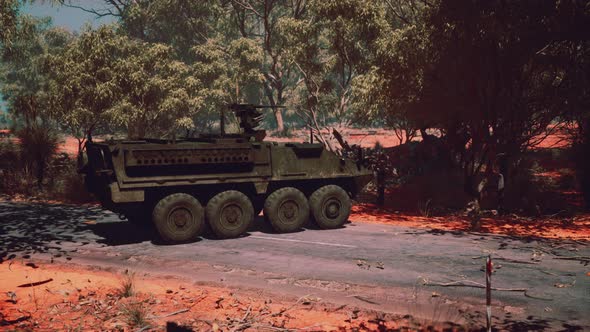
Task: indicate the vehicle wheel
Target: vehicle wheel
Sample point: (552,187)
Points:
(287,210)
(330,206)
(178,218)
(229,214)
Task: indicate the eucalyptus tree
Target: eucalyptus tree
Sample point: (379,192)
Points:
(8,20)
(106,80)
(490,75)
(23,85)
(22,76)
(261,21)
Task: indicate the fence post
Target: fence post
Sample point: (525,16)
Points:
(489,293)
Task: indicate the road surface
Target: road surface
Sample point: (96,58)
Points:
(381,267)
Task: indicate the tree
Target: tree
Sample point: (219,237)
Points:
(24,87)
(8,20)
(21,70)
(180,24)
(107,80)
(329,47)
(229,71)
(491,75)
(261,20)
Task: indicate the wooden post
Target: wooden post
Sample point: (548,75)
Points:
(489,292)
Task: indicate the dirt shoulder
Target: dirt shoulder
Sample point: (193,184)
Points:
(50,296)
(548,227)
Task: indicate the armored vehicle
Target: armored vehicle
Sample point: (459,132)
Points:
(224,180)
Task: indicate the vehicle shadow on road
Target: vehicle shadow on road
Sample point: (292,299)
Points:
(259,225)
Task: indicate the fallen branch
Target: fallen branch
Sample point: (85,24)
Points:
(507,260)
(145,328)
(574,258)
(246,315)
(173,313)
(282,311)
(358,297)
(33,284)
(5,322)
(338,308)
(469,283)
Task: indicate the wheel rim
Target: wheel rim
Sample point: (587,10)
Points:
(288,212)
(231,216)
(180,219)
(331,208)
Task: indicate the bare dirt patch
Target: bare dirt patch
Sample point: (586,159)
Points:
(43,296)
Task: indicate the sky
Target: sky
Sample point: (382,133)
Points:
(72,19)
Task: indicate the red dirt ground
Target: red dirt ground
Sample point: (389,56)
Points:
(575,228)
(51,297)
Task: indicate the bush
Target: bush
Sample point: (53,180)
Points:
(14,177)
(61,180)
(64,181)
(38,146)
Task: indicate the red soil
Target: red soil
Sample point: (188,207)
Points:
(73,297)
(68,145)
(575,228)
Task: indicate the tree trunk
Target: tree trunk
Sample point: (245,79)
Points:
(380,188)
(80,155)
(279,118)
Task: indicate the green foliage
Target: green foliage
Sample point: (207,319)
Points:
(227,71)
(23,82)
(177,23)
(4,121)
(107,81)
(38,146)
(490,75)
(8,20)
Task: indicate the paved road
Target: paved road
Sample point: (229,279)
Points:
(372,266)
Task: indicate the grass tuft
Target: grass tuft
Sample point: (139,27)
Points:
(136,314)
(127,288)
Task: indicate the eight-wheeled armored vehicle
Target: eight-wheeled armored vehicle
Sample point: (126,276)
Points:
(224,180)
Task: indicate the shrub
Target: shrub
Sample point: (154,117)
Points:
(38,146)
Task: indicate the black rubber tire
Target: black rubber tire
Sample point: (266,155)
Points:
(230,204)
(287,210)
(330,206)
(178,218)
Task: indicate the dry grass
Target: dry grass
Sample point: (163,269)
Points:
(136,314)
(127,288)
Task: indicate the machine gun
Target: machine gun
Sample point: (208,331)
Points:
(250,118)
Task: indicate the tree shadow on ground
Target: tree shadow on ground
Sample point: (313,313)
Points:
(29,228)
(530,323)
(500,238)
